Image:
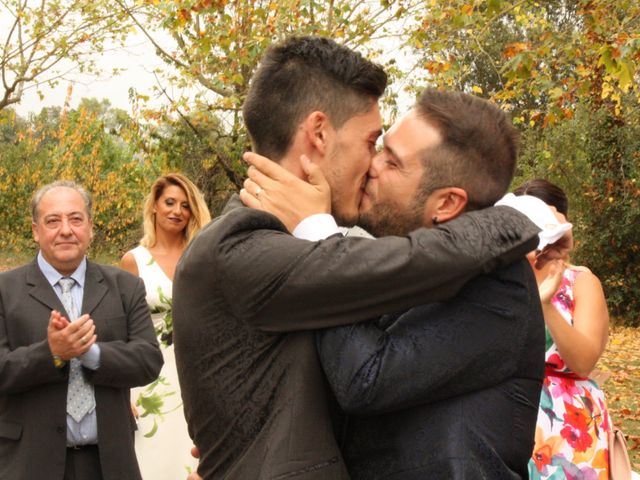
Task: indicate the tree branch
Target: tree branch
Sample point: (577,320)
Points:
(493,64)
(498,15)
(6,101)
(228,170)
(201,78)
(4,56)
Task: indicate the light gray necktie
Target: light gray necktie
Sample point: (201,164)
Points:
(80,396)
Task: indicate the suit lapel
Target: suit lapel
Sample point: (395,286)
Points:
(94,288)
(41,290)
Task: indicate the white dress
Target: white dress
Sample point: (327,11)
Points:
(166,454)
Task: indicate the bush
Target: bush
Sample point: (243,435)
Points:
(72,145)
(595,158)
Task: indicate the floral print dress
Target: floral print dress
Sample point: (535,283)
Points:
(573,421)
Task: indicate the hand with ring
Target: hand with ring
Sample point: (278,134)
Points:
(70,339)
(273,189)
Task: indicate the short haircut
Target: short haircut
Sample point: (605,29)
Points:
(478,151)
(37,197)
(305,74)
(200,215)
(546,191)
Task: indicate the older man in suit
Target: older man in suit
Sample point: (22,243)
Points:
(248,296)
(74,337)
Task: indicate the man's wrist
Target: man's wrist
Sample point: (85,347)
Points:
(91,358)
(316,227)
(58,361)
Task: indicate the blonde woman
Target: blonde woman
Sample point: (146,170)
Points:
(173,213)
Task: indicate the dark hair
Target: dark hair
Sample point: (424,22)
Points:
(546,191)
(478,150)
(301,75)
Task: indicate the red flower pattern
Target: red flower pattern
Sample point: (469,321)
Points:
(571,436)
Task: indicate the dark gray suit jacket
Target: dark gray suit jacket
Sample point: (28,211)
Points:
(33,392)
(443,391)
(247,297)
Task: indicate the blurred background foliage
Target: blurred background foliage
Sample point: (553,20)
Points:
(566,70)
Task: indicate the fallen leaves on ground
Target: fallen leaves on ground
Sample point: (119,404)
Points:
(622,360)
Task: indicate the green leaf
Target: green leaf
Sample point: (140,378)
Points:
(153,430)
(493,6)
(625,76)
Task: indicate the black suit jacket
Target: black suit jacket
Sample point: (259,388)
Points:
(446,390)
(246,299)
(33,392)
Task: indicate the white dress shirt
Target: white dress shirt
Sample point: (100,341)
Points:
(84,432)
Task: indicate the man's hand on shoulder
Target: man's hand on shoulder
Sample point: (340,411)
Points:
(274,189)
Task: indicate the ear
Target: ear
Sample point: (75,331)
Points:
(34,231)
(448,203)
(317,128)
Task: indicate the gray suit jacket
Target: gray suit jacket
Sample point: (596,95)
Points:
(247,297)
(33,392)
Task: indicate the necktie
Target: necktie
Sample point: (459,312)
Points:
(80,396)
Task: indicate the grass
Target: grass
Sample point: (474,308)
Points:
(622,360)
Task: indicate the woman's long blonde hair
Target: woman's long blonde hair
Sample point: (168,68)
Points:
(200,215)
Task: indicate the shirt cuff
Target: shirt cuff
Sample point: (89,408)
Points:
(540,214)
(91,358)
(316,227)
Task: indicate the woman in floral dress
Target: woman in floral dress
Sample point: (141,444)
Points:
(173,213)
(573,421)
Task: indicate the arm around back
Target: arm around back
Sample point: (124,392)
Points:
(436,351)
(279,283)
